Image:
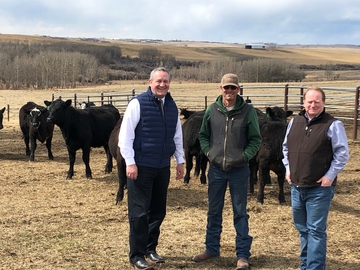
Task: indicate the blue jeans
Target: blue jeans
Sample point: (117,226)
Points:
(237,179)
(310,209)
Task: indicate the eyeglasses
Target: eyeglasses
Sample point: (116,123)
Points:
(232,87)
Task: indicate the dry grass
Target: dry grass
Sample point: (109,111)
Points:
(47,222)
(206,51)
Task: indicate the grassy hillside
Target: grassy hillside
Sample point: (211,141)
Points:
(199,51)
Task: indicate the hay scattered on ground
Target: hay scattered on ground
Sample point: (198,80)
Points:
(47,222)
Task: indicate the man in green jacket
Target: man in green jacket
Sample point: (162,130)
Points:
(230,137)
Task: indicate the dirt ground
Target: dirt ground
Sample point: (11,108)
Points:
(47,222)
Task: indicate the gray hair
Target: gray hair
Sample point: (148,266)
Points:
(158,69)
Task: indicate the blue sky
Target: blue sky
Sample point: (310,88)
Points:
(234,21)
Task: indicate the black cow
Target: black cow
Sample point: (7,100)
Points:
(277,114)
(191,128)
(120,161)
(261,164)
(1,117)
(33,124)
(273,114)
(270,157)
(186,113)
(84,104)
(84,129)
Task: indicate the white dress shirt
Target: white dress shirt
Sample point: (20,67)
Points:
(127,134)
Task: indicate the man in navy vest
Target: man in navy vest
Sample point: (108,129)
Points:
(150,134)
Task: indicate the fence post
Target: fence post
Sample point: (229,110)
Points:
(241,89)
(205,102)
(301,97)
(356,112)
(75,100)
(52,97)
(286,98)
(8,112)
(102,98)
(133,92)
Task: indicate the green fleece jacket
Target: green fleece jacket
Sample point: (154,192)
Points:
(230,138)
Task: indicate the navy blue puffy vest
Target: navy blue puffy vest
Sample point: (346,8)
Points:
(154,135)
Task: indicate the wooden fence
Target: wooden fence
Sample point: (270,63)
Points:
(119,99)
(343,103)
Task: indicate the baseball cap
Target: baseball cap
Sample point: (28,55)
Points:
(230,79)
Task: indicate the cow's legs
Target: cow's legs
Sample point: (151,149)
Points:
(204,161)
(33,146)
(72,157)
(121,168)
(48,146)
(281,180)
(86,159)
(27,148)
(189,166)
(254,167)
(109,160)
(197,165)
(264,173)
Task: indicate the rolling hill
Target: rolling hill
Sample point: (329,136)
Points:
(206,51)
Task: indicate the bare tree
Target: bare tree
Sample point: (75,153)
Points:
(150,54)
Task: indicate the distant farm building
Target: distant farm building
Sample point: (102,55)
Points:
(256,46)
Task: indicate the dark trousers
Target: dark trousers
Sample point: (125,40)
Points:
(146,209)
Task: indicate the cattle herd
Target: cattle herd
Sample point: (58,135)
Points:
(272,123)
(98,126)
(82,128)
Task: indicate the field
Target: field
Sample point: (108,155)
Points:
(47,222)
(207,51)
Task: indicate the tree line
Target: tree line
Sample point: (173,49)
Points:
(255,70)
(60,64)
(67,64)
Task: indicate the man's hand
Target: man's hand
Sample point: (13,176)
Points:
(287,177)
(179,171)
(132,171)
(325,182)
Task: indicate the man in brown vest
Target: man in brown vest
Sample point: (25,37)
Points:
(315,150)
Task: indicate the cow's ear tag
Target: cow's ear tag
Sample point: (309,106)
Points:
(268,115)
(48,108)
(28,116)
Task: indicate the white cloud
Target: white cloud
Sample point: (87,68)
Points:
(281,21)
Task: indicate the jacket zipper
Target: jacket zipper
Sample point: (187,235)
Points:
(225,140)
